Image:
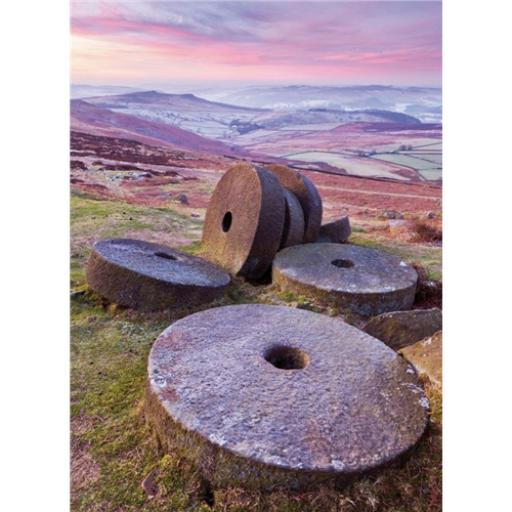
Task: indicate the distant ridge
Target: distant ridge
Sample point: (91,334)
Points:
(178,101)
(79,91)
(101,121)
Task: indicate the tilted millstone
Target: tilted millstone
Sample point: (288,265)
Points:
(308,196)
(244,221)
(272,397)
(336,232)
(150,277)
(293,230)
(363,280)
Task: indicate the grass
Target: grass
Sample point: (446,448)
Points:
(427,256)
(114,450)
(93,219)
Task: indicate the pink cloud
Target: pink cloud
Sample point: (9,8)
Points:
(381,42)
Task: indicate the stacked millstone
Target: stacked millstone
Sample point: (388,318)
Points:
(262,217)
(272,397)
(256,211)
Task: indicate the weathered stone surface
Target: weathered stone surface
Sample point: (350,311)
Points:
(244,221)
(308,196)
(151,277)
(398,329)
(366,281)
(336,232)
(293,230)
(427,357)
(269,396)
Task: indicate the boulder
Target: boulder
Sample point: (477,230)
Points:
(398,329)
(392,214)
(183,199)
(427,357)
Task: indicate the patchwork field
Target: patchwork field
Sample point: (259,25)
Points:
(308,134)
(353,165)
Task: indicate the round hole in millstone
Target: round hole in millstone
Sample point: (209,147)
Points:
(355,407)
(165,256)
(286,358)
(226,221)
(340,263)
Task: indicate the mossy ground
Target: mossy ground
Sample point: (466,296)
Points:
(426,255)
(113,450)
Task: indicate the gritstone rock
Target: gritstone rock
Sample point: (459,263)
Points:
(150,277)
(273,397)
(363,280)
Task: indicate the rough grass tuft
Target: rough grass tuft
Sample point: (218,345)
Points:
(425,231)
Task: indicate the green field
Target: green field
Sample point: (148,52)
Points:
(407,160)
(359,166)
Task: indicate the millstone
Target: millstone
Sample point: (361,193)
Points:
(336,232)
(151,277)
(244,221)
(293,230)
(308,196)
(273,397)
(366,281)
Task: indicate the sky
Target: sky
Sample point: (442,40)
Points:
(221,43)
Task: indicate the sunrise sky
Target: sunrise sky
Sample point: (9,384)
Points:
(218,43)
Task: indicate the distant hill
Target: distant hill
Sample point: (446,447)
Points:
(101,121)
(315,116)
(87,91)
(226,122)
(421,102)
(176,102)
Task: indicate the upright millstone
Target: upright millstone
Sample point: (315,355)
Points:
(273,397)
(244,221)
(150,277)
(293,230)
(308,196)
(363,280)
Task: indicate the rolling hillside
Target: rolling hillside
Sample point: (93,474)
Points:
(102,121)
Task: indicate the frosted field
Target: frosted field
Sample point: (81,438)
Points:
(407,160)
(431,174)
(352,165)
(435,158)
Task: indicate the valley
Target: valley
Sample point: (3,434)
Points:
(340,136)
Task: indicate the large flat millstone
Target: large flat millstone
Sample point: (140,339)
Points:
(363,280)
(269,396)
(150,277)
(244,221)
